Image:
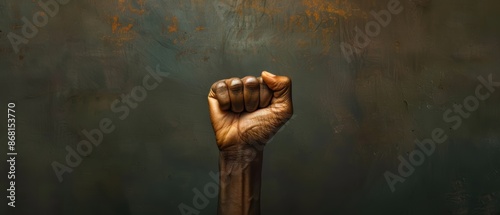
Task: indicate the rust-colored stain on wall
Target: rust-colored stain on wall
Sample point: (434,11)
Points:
(173,27)
(117,26)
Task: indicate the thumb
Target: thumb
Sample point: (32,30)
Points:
(280,85)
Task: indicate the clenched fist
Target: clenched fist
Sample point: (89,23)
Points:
(249,110)
(245,114)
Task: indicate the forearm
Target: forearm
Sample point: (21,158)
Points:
(240,181)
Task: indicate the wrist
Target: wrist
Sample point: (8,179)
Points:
(242,153)
(240,176)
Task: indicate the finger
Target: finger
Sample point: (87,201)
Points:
(282,93)
(251,88)
(280,85)
(235,87)
(221,94)
(265,94)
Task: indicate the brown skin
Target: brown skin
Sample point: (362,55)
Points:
(245,114)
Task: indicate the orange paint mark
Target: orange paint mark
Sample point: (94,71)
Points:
(115,26)
(319,15)
(200,28)
(319,19)
(122,31)
(126,29)
(316,8)
(173,27)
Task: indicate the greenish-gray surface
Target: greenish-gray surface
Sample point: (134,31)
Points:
(352,119)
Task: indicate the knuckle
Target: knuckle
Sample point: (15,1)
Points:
(251,82)
(213,87)
(247,77)
(235,84)
(219,86)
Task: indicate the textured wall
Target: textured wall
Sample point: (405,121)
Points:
(354,116)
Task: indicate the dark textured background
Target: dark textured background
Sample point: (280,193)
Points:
(352,120)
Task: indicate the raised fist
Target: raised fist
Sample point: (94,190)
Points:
(245,114)
(249,110)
